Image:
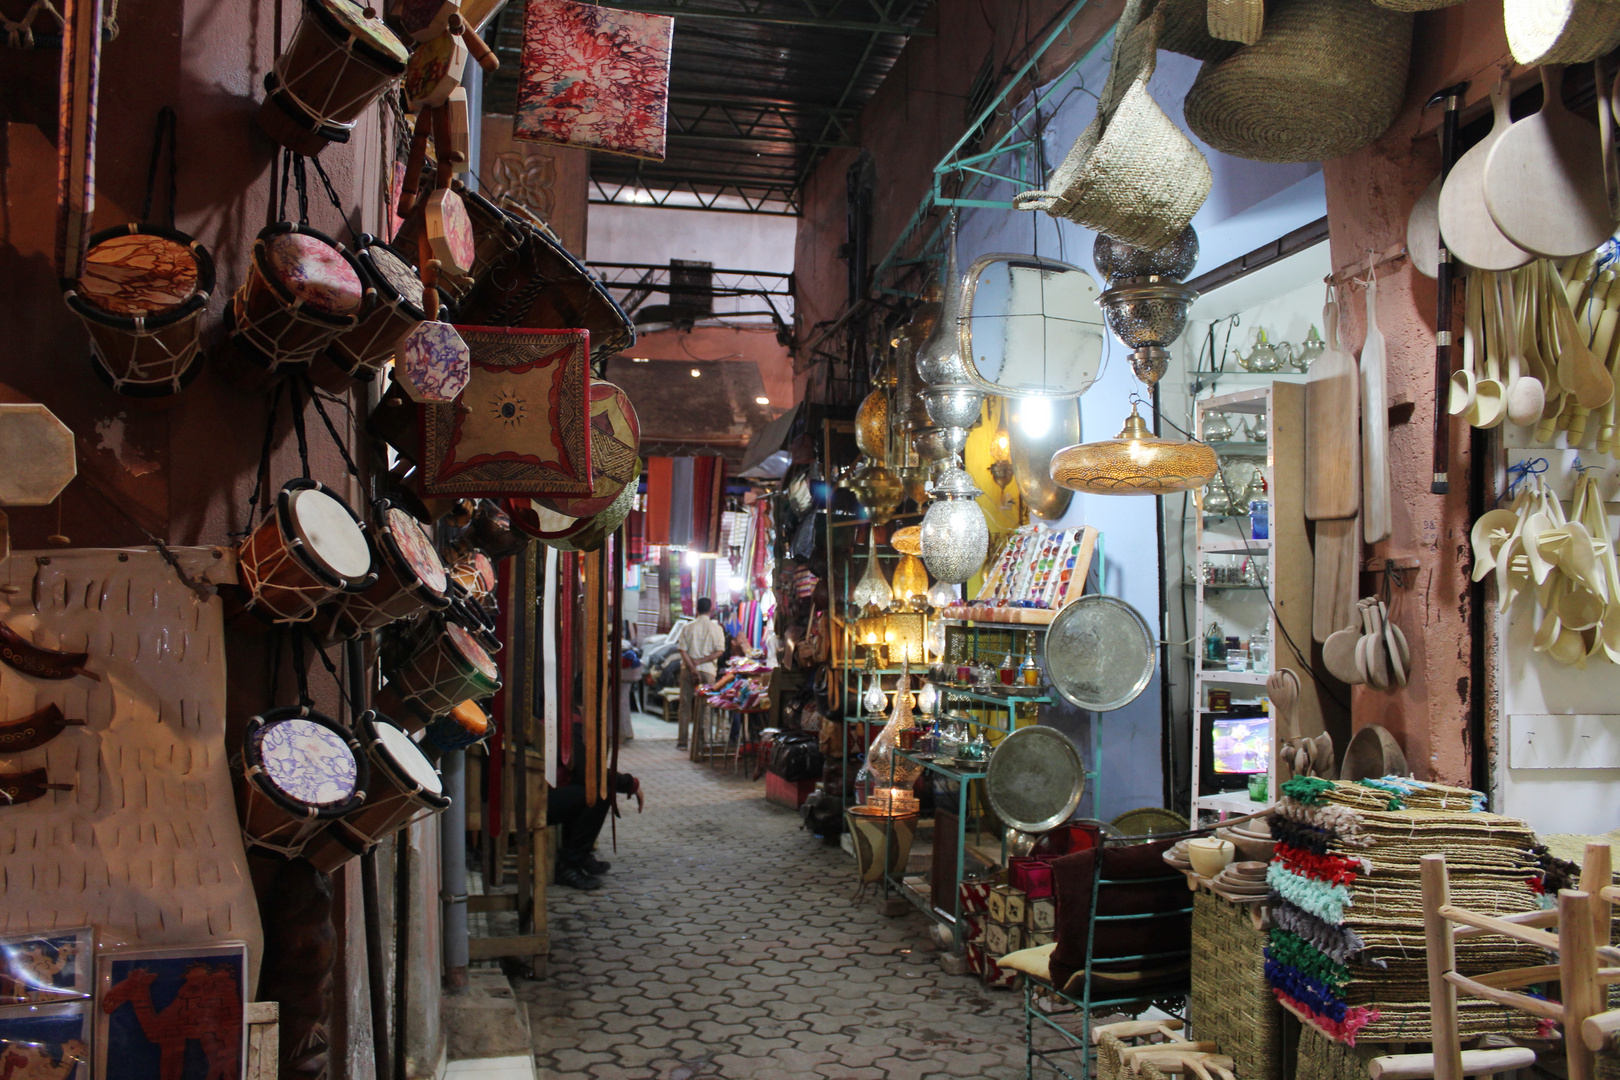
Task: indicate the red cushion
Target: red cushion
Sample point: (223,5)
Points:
(1072,882)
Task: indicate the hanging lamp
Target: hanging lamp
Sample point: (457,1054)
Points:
(955,536)
(1146,307)
(873,589)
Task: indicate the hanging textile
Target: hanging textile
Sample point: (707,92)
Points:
(548,663)
(680,503)
(660,480)
(635,535)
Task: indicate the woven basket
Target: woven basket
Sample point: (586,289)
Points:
(1231,1003)
(1416,5)
(1560,31)
(1320,1058)
(1186,31)
(1132,174)
(1327,78)
(1237,20)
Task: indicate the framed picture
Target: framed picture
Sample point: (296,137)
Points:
(172,1014)
(45,1042)
(54,965)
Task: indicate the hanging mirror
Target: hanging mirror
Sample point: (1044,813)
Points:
(1030,326)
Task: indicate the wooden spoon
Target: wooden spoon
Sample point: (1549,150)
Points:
(1490,393)
(1339,655)
(1525,395)
(1578,369)
(1493,529)
(1282,687)
(1543,180)
(1376,517)
(1372,648)
(1392,649)
(1465,220)
(1460,398)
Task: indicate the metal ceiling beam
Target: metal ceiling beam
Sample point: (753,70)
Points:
(756,198)
(751,11)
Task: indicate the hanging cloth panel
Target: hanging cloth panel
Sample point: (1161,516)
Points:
(548,662)
(660,479)
(680,502)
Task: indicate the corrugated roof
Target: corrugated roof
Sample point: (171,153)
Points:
(759,90)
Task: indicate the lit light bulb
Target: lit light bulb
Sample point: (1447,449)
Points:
(1034,416)
(941,594)
(928,698)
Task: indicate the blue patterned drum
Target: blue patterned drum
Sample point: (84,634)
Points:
(301,769)
(407,785)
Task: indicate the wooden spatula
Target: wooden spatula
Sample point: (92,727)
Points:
(1465,221)
(1544,179)
(1332,437)
(1337,566)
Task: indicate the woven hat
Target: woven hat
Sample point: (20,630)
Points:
(1326,78)
(1560,31)
(1132,174)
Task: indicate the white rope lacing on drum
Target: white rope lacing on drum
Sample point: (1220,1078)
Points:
(326,107)
(291,317)
(167,370)
(20,34)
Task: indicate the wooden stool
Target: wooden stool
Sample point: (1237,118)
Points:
(672,704)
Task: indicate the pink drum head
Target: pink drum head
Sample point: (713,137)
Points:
(463,643)
(450,231)
(615,442)
(314,272)
(306,761)
(416,549)
(138,275)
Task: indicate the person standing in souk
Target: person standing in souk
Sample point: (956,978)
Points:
(702,642)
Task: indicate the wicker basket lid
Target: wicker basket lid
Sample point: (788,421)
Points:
(1326,78)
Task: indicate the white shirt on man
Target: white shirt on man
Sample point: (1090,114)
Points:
(699,638)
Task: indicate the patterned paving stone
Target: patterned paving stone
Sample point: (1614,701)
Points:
(723,945)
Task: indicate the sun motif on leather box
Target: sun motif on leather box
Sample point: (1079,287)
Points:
(508,406)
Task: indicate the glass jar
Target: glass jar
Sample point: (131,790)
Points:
(1237,658)
(1008,672)
(1029,672)
(1260,651)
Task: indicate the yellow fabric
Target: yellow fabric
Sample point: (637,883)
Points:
(1036,961)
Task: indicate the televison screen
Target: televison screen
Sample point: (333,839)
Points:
(1241,746)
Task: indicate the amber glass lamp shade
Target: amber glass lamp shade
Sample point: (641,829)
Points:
(872,425)
(1136,462)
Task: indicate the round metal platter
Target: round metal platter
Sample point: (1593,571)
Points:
(1099,653)
(1035,779)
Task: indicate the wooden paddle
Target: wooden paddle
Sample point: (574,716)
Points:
(1544,179)
(1470,233)
(1376,519)
(1332,440)
(1337,567)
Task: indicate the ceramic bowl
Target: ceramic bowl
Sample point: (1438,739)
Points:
(1209,855)
(1251,871)
(1250,848)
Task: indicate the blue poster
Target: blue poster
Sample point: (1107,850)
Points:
(173,1014)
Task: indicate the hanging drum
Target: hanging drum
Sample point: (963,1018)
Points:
(615,442)
(542,286)
(141,297)
(410,580)
(476,574)
(475,617)
(302,290)
(495,237)
(459,728)
(341,59)
(310,550)
(404,784)
(446,669)
(360,353)
(300,769)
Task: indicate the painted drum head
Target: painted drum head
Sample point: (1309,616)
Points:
(475,654)
(307,762)
(406,759)
(138,274)
(450,231)
(416,549)
(424,20)
(368,32)
(314,272)
(395,275)
(433,71)
(615,441)
(331,538)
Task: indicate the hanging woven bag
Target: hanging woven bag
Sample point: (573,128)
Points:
(1132,174)
(1560,31)
(1326,78)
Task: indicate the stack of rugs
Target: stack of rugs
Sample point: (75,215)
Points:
(1346,949)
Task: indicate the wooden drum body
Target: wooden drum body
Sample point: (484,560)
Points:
(302,290)
(338,62)
(476,574)
(310,550)
(444,670)
(410,579)
(300,769)
(142,297)
(459,728)
(361,352)
(404,783)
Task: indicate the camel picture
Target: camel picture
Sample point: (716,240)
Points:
(172,1015)
(46,1043)
(41,968)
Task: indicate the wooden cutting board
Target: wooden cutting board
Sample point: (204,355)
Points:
(1337,566)
(1544,179)
(1332,438)
(1470,232)
(1376,519)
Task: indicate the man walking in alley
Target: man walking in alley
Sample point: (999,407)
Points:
(700,644)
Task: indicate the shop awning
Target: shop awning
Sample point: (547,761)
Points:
(766,457)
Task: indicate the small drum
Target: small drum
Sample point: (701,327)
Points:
(300,770)
(302,290)
(141,297)
(446,669)
(433,70)
(459,728)
(311,550)
(361,353)
(341,59)
(475,618)
(404,783)
(410,579)
(495,236)
(476,574)
(542,286)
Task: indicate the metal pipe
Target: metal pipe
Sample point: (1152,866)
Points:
(354,663)
(453,878)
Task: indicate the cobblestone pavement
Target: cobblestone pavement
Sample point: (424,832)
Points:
(723,944)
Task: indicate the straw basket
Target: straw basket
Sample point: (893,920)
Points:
(1186,31)
(1132,174)
(1560,31)
(1231,1002)
(1326,78)
(1320,1058)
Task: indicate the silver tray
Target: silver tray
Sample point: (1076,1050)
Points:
(1099,653)
(1035,779)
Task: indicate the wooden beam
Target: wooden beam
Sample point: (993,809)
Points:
(1522,1002)
(1577,956)
(1495,925)
(519,945)
(1513,978)
(492,902)
(1474,1063)
(1549,917)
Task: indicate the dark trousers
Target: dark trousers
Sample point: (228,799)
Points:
(580,823)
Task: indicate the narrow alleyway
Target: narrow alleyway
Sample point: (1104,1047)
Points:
(724,944)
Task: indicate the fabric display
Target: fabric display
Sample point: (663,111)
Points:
(1346,947)
(684,500)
